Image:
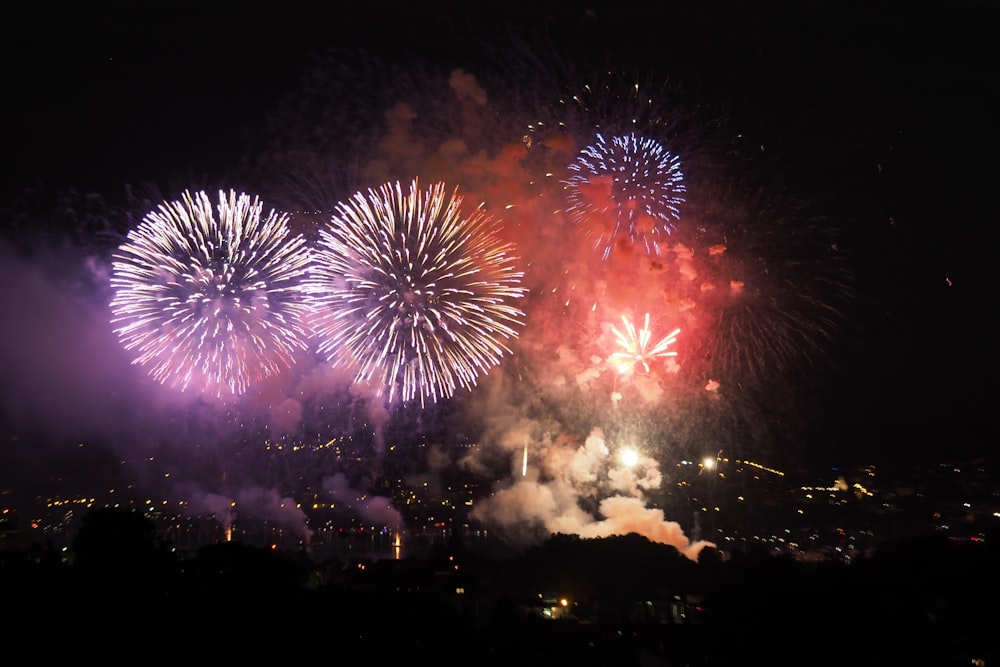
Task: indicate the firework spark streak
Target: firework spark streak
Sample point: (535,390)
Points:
(409,292)
(211,301)
(636,348)
(626,189)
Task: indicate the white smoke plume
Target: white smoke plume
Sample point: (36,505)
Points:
(562,481)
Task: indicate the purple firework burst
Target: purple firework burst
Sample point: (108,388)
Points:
(211,299)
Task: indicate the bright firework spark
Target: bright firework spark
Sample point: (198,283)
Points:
(626,189)
(408,290)
(629,457)
(636,348)
(211,299)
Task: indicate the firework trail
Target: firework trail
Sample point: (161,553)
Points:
(626,190)
(409,292)
(208,299)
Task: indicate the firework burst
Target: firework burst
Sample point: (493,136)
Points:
(626,190)
(410,293)
(636,347)
(211,299)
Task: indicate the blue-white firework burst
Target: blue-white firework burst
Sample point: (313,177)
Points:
(626,190)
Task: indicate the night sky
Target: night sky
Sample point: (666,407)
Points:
(882,112)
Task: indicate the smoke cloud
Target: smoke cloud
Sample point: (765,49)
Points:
(560,482)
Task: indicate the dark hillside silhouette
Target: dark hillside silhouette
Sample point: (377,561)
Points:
(628,601)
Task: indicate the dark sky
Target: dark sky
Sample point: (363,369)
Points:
(900,102)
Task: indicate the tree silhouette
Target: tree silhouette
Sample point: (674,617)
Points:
(117,551)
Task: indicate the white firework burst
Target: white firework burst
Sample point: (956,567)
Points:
(412,294)
(636,347)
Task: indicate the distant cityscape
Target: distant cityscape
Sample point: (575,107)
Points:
(861,565)
(735,504)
